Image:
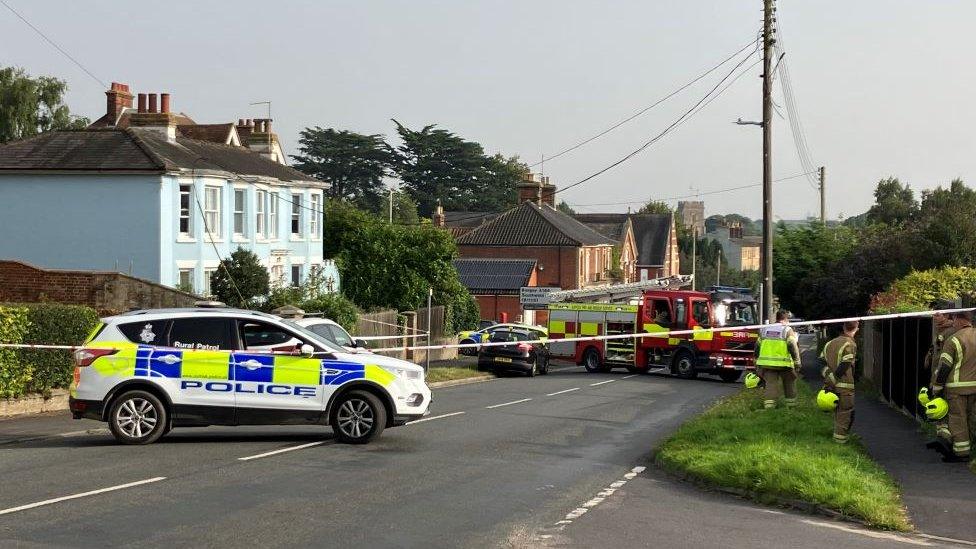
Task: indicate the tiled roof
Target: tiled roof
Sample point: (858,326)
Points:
(652,232)
(468,220)
(216,133)
(108,120)
(609,225)
(532,225)
(134,149)
(494,276)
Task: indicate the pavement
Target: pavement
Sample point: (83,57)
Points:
(940,497)
(509,463)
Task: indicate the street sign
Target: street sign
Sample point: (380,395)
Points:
(535,297)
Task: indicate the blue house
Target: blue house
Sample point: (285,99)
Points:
(143,197)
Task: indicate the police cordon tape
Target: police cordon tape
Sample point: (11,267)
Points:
(641,335)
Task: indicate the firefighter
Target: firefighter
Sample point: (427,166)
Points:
(837,369)
(777,359)
(943,329)
(955,378)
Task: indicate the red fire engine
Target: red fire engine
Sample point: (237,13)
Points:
(726,353)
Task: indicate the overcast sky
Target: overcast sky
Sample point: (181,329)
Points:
(883,87)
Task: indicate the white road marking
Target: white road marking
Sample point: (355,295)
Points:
(283,450)
(602,382)
(507,403)
(868,533)
(561,392)
(97,431)
(949,540)
(600,498)
(630,376)
(432,418)
(81,495)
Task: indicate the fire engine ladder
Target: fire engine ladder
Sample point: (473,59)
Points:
(618,293)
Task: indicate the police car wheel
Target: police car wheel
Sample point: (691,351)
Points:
(137,417)
(468,351)
(358,417)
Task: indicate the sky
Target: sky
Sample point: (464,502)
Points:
(883,87)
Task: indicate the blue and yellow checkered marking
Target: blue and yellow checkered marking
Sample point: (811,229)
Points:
(335,372)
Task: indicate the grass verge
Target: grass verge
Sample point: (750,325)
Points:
(449,373)
(782,455)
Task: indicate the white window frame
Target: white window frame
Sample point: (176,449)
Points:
(273,215)
(207,273)
(315,225)
(296,216)
(240,214)
(261,219)
(212,210)
(189,271)
(291,275)
(187,214)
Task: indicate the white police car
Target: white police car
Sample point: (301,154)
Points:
(145,372)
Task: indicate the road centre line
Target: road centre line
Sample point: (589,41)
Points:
(81,495)
(630,376)
(507,403)
(561,392)
(432,418)
(283,450)
(602,382)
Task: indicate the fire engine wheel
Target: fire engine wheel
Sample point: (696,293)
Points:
(591,361)
(729,376)
(683,365)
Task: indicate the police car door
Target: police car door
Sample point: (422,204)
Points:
(199,356)
(275,388)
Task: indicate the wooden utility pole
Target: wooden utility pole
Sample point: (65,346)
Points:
(823,195)
(767,126)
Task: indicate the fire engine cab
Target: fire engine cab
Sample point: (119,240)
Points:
(725,353)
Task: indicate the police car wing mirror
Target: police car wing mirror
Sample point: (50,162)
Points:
(361,343)
(307,350)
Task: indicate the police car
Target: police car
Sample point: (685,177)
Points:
(145,372)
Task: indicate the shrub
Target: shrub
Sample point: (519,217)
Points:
(335,307)
(54,324)
(920,288)
(14,373)
(240,279)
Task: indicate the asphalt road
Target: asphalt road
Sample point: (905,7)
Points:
(497,464)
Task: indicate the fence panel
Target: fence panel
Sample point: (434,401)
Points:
(894,359)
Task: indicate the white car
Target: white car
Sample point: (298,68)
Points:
(334,333)
(145,372)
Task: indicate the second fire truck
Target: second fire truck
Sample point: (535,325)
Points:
(726,352)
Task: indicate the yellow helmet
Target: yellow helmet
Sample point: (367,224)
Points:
(923,396)
(827,401)
(752,380)
(936,409)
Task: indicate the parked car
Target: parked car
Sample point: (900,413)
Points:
(521,355)
(484,334)
(335,333)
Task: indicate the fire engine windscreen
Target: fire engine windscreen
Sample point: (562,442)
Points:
(736,313)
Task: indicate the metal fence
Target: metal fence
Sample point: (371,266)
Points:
(893,355)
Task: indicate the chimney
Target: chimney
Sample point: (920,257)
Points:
(530,189)
(438,218)
(548,192)
(260,138)
(152,118)
(117,100)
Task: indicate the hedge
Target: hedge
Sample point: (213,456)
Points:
(919,289)
(14,374)
(39,371)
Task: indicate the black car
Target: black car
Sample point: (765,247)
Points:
(528,358)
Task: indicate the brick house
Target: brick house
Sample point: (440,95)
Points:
(648,243)
(567,253)
(620,229)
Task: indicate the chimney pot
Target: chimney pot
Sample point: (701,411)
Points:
(240,121)
(142,102)
(164,102)
(152,102)
(267,125)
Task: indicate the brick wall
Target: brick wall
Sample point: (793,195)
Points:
(106,292)
(492,307)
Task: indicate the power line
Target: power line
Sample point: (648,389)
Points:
(687,114)
(725,190)
(645,109)
(53,43)
(206,227)
(796,125)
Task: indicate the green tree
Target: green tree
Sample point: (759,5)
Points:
(29,106)
(564,207)
(802,252)
(393,266)
(895,203)
(354,164)
(946,219)
(655,207)
(240,279)
(404,209)
(435,164)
